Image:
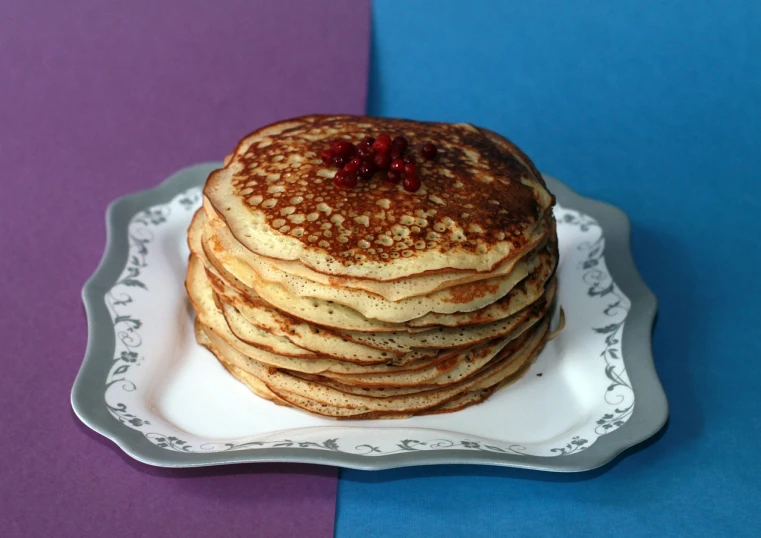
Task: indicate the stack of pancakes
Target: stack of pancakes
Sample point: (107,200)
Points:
(373,302)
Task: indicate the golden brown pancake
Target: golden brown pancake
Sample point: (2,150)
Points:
(480,202)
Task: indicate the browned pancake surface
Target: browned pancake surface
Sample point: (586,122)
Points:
(475,194)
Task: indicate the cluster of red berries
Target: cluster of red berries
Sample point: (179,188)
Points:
(372,155)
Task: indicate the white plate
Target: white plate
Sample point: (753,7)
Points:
(166,401)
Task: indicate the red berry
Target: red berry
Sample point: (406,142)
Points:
(411,183)
(338,179)
(400,144)
(382,144)
(366,170)
(342,147)
(353,165)
(393,176)
(365,151)
(327,156)
(395,154)
(397,165)
(409,169)
(429,151)
(368,140)
(350,180)
(409,158)
(339,161)
(382,161)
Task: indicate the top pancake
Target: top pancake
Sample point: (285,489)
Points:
(481,203)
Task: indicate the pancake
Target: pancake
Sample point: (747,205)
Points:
(369,301)
(460,219)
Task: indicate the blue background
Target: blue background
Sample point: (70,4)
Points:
(653,107)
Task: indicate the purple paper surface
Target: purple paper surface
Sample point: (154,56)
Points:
(103,98)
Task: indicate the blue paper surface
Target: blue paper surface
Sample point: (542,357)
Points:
(655,108)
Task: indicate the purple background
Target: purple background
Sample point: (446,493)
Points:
(103,98)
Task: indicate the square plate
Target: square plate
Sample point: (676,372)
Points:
(147,385)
